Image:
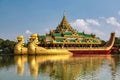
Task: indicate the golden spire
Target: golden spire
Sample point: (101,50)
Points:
(64,21)
(64,13)
(64,25)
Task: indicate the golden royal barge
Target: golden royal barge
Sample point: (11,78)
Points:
(64,40)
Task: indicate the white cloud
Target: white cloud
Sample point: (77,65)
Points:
(113,21)
(82,25)
(118,12)
(117,31)
(93,22)
(106,26)
(100,33)
(102,17)
(28,32)
(46,30)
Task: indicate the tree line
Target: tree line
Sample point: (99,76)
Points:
(7,46)
(117,40)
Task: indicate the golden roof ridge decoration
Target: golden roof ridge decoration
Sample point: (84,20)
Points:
(64,25)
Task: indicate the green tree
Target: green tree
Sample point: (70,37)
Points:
(7,46)
(1,40)
(117,40)
(103,43)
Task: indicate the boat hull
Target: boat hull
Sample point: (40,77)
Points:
(75,52)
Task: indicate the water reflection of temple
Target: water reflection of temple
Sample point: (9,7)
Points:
(36,61)
(65,67)
(20,62)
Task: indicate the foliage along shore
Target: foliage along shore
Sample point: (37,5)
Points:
(6,46)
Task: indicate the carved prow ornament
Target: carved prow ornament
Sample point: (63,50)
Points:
(33,48)
(19,47)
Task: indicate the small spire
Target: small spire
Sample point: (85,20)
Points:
(64,14)
(64,24)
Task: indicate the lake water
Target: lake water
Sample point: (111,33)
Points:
(60,67)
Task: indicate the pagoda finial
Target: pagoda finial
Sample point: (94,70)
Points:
(64,14)
(64,25)
(64,20)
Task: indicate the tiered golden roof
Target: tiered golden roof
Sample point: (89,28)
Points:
(65,35)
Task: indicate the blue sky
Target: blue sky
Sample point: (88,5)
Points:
(24,17)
